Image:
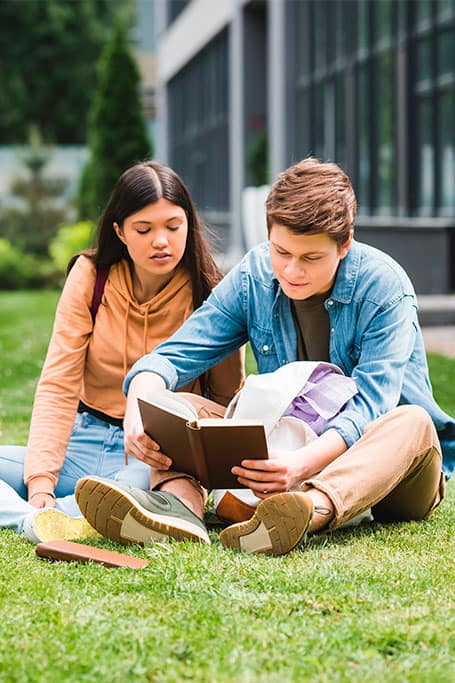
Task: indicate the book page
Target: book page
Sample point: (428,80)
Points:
(225,422)
(173,403)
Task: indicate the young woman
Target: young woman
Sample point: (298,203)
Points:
(154,268)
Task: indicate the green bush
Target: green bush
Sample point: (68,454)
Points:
(69,240)
(19,270)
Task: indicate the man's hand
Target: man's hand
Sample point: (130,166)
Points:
(285,469)
(42,500)
(137,442)
(281,472)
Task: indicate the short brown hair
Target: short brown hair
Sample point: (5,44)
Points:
(313,197)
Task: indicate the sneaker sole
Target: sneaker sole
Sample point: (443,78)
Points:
(54,525)
(279,524)
(118,516)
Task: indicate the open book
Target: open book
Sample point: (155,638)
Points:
(206,448)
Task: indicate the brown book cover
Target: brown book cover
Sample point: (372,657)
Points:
(205,448)
(69,551)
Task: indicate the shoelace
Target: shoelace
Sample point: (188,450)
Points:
(323,511)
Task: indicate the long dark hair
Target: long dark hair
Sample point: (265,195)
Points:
(143,184)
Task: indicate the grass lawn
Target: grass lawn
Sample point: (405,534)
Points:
(372,604)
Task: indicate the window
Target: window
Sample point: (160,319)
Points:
(364,70)
(318,146)
(323,42)
(199,132)
(340,120)
(426,197)
(174,8)
(385,199)
(363,138)
(433,108)
(447,153)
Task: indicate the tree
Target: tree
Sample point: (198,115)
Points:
(47,52)
(117,130)
(38,210)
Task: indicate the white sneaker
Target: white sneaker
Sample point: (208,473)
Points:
(49,524)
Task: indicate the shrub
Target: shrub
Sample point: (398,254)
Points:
(19,270)
(12,272)
(39,206)
(69,240)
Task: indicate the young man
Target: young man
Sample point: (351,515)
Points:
(310,293)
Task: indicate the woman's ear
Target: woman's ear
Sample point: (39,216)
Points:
(118,231)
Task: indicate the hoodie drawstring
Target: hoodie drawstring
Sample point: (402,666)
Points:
(144,334)
(146,328)
(125,346)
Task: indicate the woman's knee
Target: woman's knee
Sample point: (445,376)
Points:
(12,467)
(136,476)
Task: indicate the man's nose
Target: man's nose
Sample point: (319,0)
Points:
(294,269)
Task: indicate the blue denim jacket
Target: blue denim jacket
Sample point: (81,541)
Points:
(375,337)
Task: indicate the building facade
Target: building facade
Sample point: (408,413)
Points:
(247,87)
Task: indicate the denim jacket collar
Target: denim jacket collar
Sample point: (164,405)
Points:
(346,278)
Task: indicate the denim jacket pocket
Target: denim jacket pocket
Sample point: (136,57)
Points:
(264,349)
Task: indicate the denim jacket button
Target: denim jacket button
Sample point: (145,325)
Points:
(330,302)
(265,348)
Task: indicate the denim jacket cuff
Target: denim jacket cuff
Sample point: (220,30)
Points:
(346,428)
(156,364)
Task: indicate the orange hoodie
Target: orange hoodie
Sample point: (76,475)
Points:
(88,362)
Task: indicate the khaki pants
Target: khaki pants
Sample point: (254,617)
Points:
(394,468)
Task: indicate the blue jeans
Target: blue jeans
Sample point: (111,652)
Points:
(95,448)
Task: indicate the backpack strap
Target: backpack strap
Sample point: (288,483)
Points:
(102,273)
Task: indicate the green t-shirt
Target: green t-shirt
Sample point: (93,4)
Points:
(312,325)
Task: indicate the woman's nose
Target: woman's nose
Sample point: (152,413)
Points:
(160,239)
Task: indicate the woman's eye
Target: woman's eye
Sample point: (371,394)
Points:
(143,232)
(173,228)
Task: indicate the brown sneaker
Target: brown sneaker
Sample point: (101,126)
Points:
(232,509)
(279,524)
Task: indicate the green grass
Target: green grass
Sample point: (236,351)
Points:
(366,605)
(25,328)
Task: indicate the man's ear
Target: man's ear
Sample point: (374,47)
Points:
(346,246)
(118,231)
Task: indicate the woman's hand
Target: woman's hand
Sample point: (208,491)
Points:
(145,449)
(281,472)
(42,500)
(137,442)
